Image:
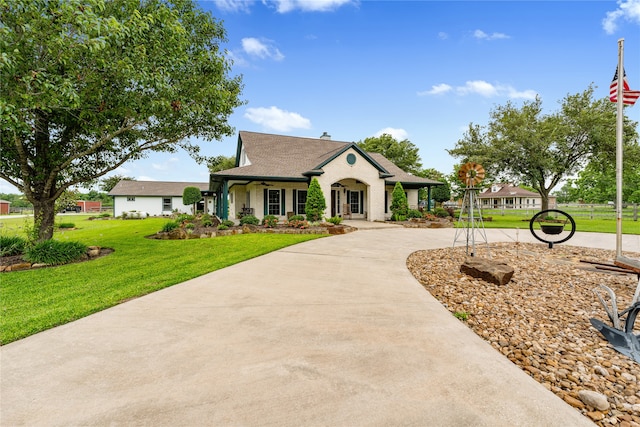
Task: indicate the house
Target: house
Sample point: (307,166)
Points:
(156,198)
(273,173)
(507,196)
(5,207)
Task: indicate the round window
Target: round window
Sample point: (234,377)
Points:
(351,158)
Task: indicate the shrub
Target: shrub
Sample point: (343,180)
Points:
(249,220)
(228,223)
(297,223)
(296,218)
(440,212)
(316,203)
(414,213)
(12,245)
(170,225)
(66,225)
(190,226)
(223,226)
(399,204)
(105,215)
(270,221)
(191,196)
(54,252)
(184,218)
(336,220)
(206,222)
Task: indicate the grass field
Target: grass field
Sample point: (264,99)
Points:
(35,300)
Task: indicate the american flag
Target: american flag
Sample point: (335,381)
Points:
(629,97)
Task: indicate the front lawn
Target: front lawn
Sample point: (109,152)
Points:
(35,300)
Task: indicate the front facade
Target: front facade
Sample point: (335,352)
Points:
(157,198)
(273,173)
(507,196)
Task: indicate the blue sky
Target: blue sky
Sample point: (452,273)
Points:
(420,70)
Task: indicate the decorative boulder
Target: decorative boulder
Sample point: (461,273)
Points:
(488,270)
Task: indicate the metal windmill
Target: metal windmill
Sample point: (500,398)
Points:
(470,219)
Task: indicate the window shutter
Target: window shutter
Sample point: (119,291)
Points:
(266,201)
(295,202)
(282,203)
(386,201)
(361,202)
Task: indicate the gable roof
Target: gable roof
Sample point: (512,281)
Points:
(154,188)
(506,190)
(290,158)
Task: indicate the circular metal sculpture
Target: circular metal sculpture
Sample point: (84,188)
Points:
(552,226)
(471,173)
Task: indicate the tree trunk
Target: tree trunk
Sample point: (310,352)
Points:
(545,200)
(44,215)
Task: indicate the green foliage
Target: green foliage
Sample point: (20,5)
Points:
(185,218)
(270,221)
(249,220)
(222,227)
(228,223)
(107,184)
(441,212)
(16,200)
(399,204)
(316,203)
(66,225)
(296,218)
(89,84)
(190,226)
(169,226)
(55,252)
(220,163)
(461,315)
(336,220)
(403,154)
(525,145)
(297,223)
(12,245)
(414,213)
(191,196)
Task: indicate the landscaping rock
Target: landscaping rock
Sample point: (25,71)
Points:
(488,270)
(594,399)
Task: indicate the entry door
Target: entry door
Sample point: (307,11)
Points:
(335,202)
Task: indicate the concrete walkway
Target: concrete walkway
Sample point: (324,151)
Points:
(332,332)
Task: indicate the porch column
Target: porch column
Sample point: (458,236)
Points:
(225,200)
(429,198)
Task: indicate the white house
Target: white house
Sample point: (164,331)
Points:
(507,196)
(273,173)
(156,197)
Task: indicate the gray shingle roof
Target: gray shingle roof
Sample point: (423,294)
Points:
(154,188)
(290,157)
(507,190)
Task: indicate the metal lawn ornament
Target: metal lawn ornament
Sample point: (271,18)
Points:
(470,219)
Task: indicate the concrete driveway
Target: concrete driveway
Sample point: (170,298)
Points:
(332,332)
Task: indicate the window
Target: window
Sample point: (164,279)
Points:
(166,204)
(354,201)
(131,199)
(301,202)
(274,202)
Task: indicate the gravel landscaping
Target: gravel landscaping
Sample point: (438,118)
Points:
(540,320)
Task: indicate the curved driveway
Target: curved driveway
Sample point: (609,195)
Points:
(332,332)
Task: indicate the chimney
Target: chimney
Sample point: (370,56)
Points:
(325,136)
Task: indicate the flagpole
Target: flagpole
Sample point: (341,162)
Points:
(619,135)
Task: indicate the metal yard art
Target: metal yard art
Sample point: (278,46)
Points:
(470,219)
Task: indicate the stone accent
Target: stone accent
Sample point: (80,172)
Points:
(594,399)
(488,270)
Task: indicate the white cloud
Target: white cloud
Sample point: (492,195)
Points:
(481,35)
(436,90)
(277,119)
(263,48)
(166,165)
(442,35)
(284,6)
(234,5)
(397,134)
(628,10)
(482,88)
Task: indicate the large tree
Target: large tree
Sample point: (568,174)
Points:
(90,84)
(220,163)
(107,184)
(525,145)
(403,154)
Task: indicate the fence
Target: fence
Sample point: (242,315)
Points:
(576,210)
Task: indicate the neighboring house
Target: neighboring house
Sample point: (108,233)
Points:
(156,197)
(273,173)
(508,196)
(4,207)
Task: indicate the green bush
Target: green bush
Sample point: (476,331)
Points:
(105,215)
(399,205)
(336,220)
(228,223)
(223,227)
(316,204)
(249,220)
(12,245)
(296,218)
(170,225)
(414,213)
(190,226)
(297,223)
(270,221)
(55,252)
(440,212)
(66,225)
(184,218)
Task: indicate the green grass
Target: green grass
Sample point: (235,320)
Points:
(35,300)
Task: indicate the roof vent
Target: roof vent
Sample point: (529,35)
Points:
(325,136)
